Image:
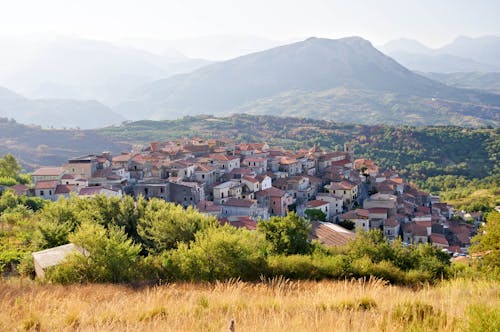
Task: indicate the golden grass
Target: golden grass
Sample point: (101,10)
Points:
(276,305)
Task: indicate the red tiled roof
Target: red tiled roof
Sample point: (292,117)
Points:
(316,203)
(272,192)
(48,171)
(237,202)
(19,189)
(64,189)
(41,185)
(439,239)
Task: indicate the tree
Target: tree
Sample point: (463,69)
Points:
(219,254)
(486,244)
(315,214)
(164,225)
(109,256)
(287,235)
(9,166)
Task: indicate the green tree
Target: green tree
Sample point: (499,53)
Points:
(286,235)
(486,244)
(219,254)
(109,256)
(315,214)
(164,225)
(9,166)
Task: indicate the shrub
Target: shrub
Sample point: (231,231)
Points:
(293,266)
(220,254)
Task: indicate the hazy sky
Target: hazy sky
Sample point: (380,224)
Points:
(433,22)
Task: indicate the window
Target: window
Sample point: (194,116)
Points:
(41,192)
(146,191)
(50,192)
(222,195)
(161,190)
(203,176)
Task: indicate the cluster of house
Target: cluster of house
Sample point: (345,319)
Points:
(242,183)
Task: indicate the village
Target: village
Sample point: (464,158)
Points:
(242,183)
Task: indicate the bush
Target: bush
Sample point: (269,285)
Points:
(220,254)
(293,267)
(109,257)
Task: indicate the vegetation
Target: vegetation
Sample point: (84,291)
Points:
(272,305)
(486,245)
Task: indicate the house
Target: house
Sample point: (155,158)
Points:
(53,256)
(240,222)
(346,189)
(256,164)
(98,190)
(378,200)
(205,174)
(336,203)
(19,189)
(46,189)
(224,162)
(186,193)
(439,240)
(152,189)
(209,208)
(276,200)
(359,217)
(84,166)
(319,205)
(391,228)
(265,181)
(414,233)
(240,207)
(65,190)
(48,174)
(225,190)
(290,166)
(330,234)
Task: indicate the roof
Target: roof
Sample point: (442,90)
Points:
(391,222)
(56,255)
(240,222)
(250,179)
(91,191)
(208,206)
(237,202)
(272,192)
(378,210)
(439,239)
(355,214)
(342,185)
(19,189)
(64,189)
(48,171)
(223,157)
(122,158)
(41,185)
(316,203)
(330,234)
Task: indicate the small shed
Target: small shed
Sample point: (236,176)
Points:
(53,256)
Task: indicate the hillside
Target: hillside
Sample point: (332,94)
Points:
(489,82)
(296,74)
(35,146)
(56,112)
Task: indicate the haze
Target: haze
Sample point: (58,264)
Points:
(193,26)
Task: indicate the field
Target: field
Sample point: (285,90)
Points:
(275,305)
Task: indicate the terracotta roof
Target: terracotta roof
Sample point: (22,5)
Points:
(330,234)
(316,203)
(272,192)
(48,171)
(19,189)
(240,222)
(355,214)
(122,158)
(91,191)
(342,185)
(208,206)
(377,210)
(237,202)
(250,179)
(203,168)
(439,239)
(391,222)
(41,185)
(223,157)
(64,189)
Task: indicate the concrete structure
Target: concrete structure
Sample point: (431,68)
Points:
(53,256)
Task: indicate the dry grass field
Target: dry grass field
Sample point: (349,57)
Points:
(276,305)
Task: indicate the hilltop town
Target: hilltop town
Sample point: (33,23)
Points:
(242,183)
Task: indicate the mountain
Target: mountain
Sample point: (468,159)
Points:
(56,112)
(464,54)
(489,82)
(296,74)
(34,146)
(483,49)
(74,68)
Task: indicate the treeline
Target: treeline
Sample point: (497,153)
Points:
(153,241)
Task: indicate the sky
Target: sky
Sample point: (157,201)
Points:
(432,22)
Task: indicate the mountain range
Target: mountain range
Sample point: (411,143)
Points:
(464,54)
(63,112)
(84,83)
(320,78)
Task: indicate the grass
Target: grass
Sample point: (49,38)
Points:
(274,305)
